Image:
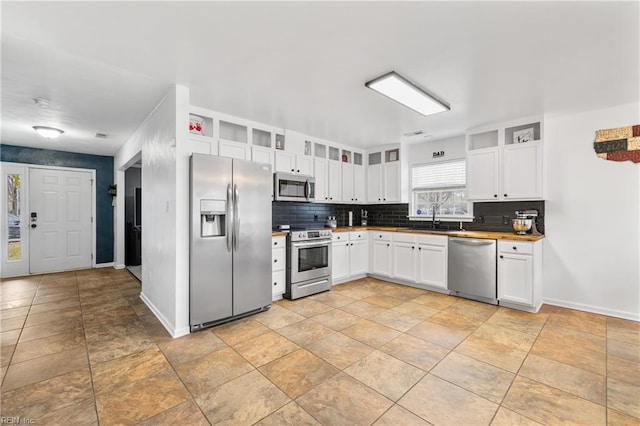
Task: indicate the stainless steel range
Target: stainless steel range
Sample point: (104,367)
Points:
(308,262)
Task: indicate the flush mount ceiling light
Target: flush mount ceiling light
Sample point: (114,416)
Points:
(48,132)
(401,90)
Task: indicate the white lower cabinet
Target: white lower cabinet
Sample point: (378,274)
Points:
(340,257)
(380,253)
(278,266)
(349,256)
(520,274)
(432,260)
(404,257)
(419,259)
(359,257)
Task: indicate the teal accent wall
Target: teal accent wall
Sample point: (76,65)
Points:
(103,165)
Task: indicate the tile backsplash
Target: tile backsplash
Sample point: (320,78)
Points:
(488,216)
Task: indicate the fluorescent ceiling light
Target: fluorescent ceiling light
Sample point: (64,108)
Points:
(48,132)
(401,90)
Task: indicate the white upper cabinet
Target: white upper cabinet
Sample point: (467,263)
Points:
(321,174)
(334,183)
(522,171)
(482,174)
(359,184)
(347,183)
(505,162)
(383,182)
(291,163)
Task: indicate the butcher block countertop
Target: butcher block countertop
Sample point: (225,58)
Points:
(487,235)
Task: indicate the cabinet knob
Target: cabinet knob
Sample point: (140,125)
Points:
(515,248)
(338,238)
(275,261)
(413,248)
(298,171)
(275,243)
(378,199)
(331,198)
(292,170)
(501,257)
(326,198)
(387,244)
(504,195)
(351,243)
(495,195)
(419,248)
(384,199)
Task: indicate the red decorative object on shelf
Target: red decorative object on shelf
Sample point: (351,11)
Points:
(345,159)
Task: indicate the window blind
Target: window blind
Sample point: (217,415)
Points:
(451,174)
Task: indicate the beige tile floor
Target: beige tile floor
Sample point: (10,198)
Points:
(81,348)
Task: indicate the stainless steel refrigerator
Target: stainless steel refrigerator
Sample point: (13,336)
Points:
(230,250)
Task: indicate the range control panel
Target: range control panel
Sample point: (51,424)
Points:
(316,234)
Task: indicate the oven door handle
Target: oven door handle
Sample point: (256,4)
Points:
(307,190)
(312,243)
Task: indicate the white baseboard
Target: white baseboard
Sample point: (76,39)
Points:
(411,284)
(104,265)
(165,323)
(594,309)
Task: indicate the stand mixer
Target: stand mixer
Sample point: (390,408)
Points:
(525,222)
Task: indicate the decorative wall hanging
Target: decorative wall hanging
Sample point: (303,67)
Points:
(621,144)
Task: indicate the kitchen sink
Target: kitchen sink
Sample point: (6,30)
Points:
(435,231)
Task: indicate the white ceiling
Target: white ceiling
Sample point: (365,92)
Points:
(302,66)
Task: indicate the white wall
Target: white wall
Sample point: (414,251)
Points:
(422,152)
(592,244)
(183,151)
(156,138)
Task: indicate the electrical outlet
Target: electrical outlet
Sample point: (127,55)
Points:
(505,220)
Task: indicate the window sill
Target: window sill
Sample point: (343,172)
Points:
(448,218)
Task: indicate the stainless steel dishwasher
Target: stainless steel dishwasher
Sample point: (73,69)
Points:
(472,269)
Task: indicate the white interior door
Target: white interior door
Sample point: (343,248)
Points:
(60,209)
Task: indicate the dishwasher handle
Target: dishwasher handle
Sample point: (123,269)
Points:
(471,242)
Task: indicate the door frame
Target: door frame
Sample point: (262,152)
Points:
(25,269)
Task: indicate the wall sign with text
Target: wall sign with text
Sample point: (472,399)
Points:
(620,144)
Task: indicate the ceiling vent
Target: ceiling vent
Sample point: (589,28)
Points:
(416,133)
(41,102)
(100,135)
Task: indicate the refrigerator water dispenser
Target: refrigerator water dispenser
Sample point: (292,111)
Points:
(212,218)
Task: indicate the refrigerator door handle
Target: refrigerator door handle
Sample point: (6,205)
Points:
(307,189)
(236,218)
(229,222)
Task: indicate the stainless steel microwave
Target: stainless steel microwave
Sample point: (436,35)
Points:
(290,187)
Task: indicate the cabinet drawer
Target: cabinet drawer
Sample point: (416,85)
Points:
(278,283)
(506,246)
(380,236)
(354,236)
(401,237)
(340,236)
(278,242)
(433,240)
(279,258)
